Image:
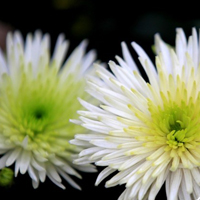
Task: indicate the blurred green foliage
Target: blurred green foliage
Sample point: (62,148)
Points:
(6,177)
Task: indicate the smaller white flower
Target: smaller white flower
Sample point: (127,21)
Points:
(38,96)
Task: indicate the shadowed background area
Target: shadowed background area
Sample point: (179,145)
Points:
(105,26)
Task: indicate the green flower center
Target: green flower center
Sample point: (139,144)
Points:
(39,114)
(176,126)
(40,107)
(175,121)
(169,124)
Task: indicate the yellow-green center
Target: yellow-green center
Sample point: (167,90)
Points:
(40,106)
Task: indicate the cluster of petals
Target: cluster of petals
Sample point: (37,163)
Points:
(37,99)
(146,132)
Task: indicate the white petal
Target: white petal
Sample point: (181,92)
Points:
(52,172)
(101,153)
(90,107)
(127,57)
(88,60)
(32,174)
(175,180)
(104,173)
(69,170)
(60,53)
(104,144)
(37,165)
(69,180)
(13,156)
(188,180)
(144,56)
(180,46)
(165,51)
(42,175)
(24,161)
(89,151)
(3,160)
(35,184)
(56,182)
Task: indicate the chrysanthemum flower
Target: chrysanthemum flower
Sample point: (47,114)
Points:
(38,96)
(148,133)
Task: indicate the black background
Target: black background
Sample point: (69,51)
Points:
(106,25)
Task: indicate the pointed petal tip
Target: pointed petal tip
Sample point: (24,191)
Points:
(84,43)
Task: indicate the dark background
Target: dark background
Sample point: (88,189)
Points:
(106,25)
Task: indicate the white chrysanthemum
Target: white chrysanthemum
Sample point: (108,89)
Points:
(147,132)
(38,96)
